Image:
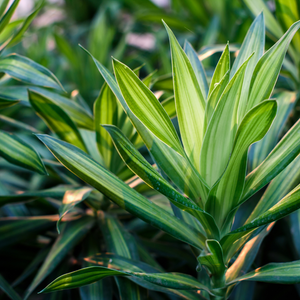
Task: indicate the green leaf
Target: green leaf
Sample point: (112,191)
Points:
(20,93)
(189,101)
(3,6)
(92,274)
(6,18)
(108,184)
(56,192)
(123,264)
(142,102)
(281,156)
(287,13)
(149,79)
(4,103)
(56,119)
(14,231)
(258,6)
(212,258)
(100,290)
(222,68)
(28,71)
(8,290)
(225,194)
(253,42)
(105,112)
(214,98)
(278,188)
(70,199)
(220,133)
(70,236)
(17,124)
(198,68)
(120,242)
(117,239)
(247,256)
(286,273)
(169,106)
(138,164)
(18,152)
(260,150)
(268,68)
(176,166)
(18,35)
(284,207)
(78,115)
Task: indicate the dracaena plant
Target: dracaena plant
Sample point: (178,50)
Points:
(202,171)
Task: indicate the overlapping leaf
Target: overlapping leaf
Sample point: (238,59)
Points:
(56,119)
(189,101)
(219,136)
(226,193)
(94,174)
(268,67)
(26,70)
(18,152)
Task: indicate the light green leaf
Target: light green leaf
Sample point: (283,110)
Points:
(221,69)
(287,13)
(70,199)
(278,188)
(176,166)
(18,152)
(70,236)
(56,119)
(258,6)
(198,68)
(214,98)
(221,130)
(142,102)
(149,79)
(268,68)
(138,164)
(253,42)
(6,18)
(18,35)
(189,101)
(226,193)
(260,150)
(169,106)
(286,273)
(281,156)
(8,290)
(108,184)
(105,112)
(28,71)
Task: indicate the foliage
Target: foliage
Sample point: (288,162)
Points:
(120,223)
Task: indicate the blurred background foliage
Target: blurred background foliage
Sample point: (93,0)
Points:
(132,31)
